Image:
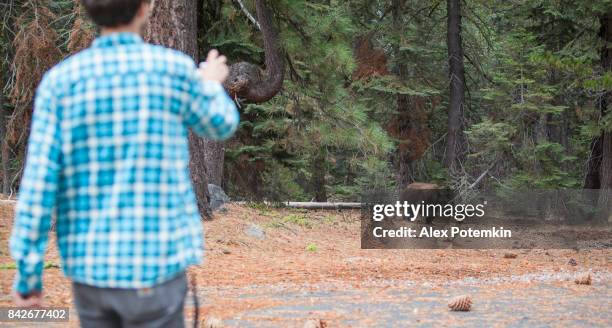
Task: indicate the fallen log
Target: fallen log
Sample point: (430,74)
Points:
(311,205)
(322,205)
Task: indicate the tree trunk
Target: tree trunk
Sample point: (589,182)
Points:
(404,162)
(454,137)
(199,176)
(174,24)
(404,168)
(318,175)
(246,80)
(213,157)
(605,176)
(591,180)
(605,195)
(599,164)
(5,148)
(4,153)
(410,123)
(212,151)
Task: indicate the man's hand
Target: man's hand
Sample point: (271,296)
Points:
(215,67)
(32,300)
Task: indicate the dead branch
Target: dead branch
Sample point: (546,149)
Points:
(248,14)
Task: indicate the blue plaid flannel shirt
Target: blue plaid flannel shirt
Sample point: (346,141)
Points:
(108,153)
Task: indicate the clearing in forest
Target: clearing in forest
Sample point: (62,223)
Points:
(268,267)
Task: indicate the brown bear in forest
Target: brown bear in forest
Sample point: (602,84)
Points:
(428,193)
(414,193)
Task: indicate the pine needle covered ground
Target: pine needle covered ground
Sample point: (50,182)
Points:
(309,265)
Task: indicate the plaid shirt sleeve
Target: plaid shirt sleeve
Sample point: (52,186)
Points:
(212,113)
(37,194)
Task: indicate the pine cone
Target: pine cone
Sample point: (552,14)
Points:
(510,255)
(212,322)
(460,303)
(584,279)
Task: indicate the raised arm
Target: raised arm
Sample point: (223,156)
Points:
(211,113)
(37,193)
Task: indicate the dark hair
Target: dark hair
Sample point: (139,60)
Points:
(112,13)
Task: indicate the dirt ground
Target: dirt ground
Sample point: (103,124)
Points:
(269,267)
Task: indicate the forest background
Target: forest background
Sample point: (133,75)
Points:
(340,96)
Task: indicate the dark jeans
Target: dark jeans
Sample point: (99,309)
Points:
(158,306)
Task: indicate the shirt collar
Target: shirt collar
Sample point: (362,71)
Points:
(115,39)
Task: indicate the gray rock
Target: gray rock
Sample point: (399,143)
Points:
(218,197)
(255,231)
(223,210)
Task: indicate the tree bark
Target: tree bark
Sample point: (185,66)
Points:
(174,24)
(4,153)
(213,153)
(318,175)
(404,167)
(599,164)
(591,179)
(199,175)
(410,123)
(403,156)
(457,83)
(246,80)
(605,176)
